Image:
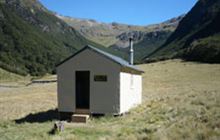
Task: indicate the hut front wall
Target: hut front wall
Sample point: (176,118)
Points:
(104,96)
(130,91)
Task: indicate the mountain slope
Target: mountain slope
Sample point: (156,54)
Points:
(150,42)
(32,39)
(109,34)
(116,35)
(97,31)
(197,37)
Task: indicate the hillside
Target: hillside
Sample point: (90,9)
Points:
(9,77)
(146,40)
(197,37)
(33,40)
(97,31)
(116,35)
(180,101)
(148,43)
(109,34)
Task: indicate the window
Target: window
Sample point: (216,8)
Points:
(100,78)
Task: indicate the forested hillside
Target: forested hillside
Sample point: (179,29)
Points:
(196,38)
(33,40)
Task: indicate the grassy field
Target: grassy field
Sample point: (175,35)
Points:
(7,77)
(181,100)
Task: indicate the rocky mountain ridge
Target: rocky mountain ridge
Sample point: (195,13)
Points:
(109,34)
(116,36)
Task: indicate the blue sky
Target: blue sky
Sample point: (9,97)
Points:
(136,12)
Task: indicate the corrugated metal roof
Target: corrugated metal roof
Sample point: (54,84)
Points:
(114,58)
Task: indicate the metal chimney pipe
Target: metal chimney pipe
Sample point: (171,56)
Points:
(131,51)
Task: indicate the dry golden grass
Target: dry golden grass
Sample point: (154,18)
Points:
(188,94)
(181,100)
(18,102)
(7,76)
(11,79)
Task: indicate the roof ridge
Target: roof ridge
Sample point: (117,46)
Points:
(112,57)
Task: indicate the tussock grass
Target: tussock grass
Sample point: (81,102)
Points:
(6,76)
(181,100)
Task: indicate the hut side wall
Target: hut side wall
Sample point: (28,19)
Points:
(104,96)
(130,91)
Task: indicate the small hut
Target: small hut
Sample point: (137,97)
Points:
(95,82)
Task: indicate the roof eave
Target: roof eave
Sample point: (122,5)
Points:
(123,67)
(130,70)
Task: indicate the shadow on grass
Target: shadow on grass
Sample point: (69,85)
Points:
(40,117)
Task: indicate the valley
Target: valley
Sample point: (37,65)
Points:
(180,58)
(109,34)
(116,35)
(180,101)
